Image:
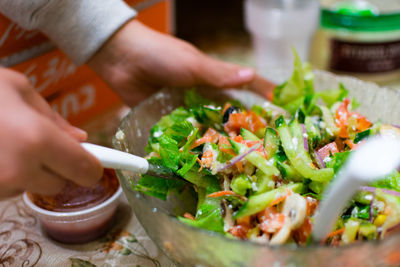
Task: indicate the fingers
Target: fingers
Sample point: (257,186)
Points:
(46,182)
(66,158)
(221,74)
(19,83)
(262,86)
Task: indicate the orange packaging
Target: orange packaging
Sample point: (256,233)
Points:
(14,39)
(85,101)
(52,71)
(158,16)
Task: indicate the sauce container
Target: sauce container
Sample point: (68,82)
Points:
(73,217)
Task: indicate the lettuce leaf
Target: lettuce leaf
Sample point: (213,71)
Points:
(299,84)
(330,97)
(169,152)
(157,187)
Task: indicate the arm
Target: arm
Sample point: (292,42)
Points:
(78,27)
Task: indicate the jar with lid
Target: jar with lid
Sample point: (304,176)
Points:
(359,38)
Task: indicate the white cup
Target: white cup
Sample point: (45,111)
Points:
(276,26)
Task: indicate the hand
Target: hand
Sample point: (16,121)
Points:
(137,61)
(39,149)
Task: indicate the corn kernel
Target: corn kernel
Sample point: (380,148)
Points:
(380,220)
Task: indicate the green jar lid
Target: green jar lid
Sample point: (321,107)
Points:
(359,18)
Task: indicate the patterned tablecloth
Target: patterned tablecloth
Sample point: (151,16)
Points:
(23,243)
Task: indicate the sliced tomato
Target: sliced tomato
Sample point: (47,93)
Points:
(225,146)
(342,118)
(247,120)
(270,220)
(327,150)
(301,234)
(239,231)
(362,122)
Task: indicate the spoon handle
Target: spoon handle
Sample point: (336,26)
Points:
(115,159)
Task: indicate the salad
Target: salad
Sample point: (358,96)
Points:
(259,174)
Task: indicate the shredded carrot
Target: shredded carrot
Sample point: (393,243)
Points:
(222,194)
(201,164)
(210,136)
(281,198)
(278,200)
(188,216)
(351,144)
(200,141)
(337,232)
(226,193)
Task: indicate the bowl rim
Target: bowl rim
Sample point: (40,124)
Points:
(64,214)
(312,246)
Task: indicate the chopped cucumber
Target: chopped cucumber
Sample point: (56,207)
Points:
(257,203)
(271,141)
(288,172)
(266,166)
(247,135)
(241,184)
(298,156)
(264,182)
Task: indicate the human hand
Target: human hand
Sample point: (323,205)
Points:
(40,151)
(137,61)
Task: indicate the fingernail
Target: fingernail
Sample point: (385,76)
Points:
(247,73)
(80,131)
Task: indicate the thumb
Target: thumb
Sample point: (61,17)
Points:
(221,74)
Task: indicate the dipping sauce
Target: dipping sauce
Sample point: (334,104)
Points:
(74,197)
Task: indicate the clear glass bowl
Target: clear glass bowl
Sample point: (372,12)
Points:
(189,246)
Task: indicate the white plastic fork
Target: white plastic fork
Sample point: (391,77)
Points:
(116,159)
(377,157)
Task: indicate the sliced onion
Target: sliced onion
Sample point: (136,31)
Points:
(238,158)
(397,126)
(305,141)
(320,161)
(386,191)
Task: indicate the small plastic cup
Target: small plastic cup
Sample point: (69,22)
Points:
(77,226)
(276,26)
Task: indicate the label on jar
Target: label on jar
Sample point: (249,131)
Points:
(361,57)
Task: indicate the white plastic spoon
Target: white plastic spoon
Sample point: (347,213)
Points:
(115,159)
(377,157)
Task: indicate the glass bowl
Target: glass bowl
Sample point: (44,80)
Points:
(190,246)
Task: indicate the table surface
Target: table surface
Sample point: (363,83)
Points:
(23,243)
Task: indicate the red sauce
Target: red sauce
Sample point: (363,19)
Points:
(74,197)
